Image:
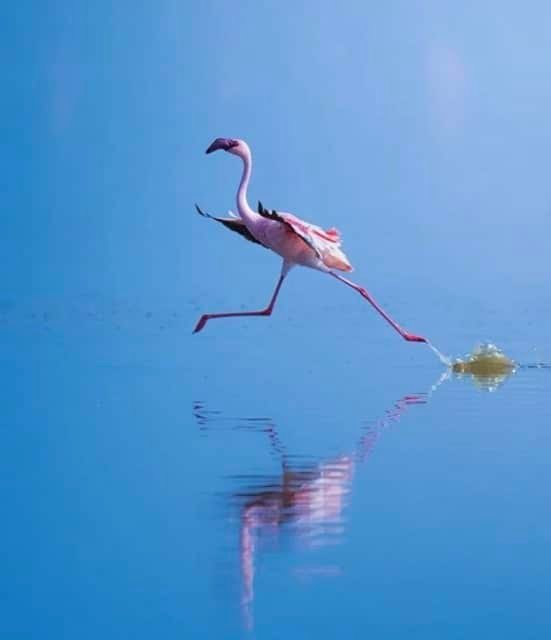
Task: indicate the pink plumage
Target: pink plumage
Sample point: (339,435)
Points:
(325,244)
(298,242)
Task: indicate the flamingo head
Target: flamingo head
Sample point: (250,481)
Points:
(228,144)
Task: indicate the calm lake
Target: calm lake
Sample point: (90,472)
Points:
(308,475)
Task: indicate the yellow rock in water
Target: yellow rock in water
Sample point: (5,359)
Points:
(487,365)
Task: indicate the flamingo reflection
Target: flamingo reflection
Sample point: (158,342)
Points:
(308,502)
(305,501)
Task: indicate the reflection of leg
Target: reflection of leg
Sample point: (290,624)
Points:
(368,440)
(410,337)
(246,552)
(235,314)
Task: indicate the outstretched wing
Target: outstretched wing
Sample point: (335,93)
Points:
(234,224)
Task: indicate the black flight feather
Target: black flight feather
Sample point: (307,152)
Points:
(237,225)
(234,224)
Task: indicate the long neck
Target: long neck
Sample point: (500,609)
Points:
(245,212)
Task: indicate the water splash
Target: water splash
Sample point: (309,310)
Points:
(487,366)
(486,359)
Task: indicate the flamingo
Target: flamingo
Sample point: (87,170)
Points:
(296,241)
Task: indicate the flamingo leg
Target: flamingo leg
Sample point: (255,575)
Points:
(410,337)
(263,312)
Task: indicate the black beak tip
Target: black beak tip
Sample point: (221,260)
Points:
(219,143)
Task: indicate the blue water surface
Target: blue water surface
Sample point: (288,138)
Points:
(265,477)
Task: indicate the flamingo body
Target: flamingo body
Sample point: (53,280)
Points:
(303,243)
(296,241)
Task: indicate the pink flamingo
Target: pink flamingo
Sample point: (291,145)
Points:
(296,241)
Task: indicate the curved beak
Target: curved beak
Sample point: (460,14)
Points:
(220,143)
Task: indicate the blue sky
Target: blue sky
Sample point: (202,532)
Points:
(420,129)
